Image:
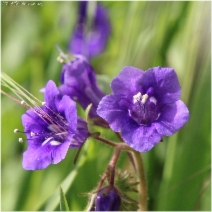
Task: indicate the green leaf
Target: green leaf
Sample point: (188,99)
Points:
(52,202)
(104,83)
(63,201)
(90,203)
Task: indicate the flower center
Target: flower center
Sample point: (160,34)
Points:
(144,109)
(57,129)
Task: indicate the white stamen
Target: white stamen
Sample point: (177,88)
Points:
(137,97)
(46,141)
(20,140)
(129,112)
(32,134)
(144,98)
(43,103)
(16,130)
(53,128)
(55,143)
(58,58)
(22,102)
(153,100)
(62,133)
(158,116)
(61,60)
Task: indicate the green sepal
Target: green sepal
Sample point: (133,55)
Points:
(87,111)
(125,181)
(63,201)
(87,119)
(90,122)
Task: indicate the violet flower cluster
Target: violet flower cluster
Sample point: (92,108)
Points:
(144,105)
(53,128)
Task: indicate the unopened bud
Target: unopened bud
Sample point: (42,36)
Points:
(107,200)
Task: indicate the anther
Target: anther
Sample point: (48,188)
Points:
(60,59)
(22,102)
(20,140)
(43,103)
(137,97)
(16,130)
(32,134)
(144,98)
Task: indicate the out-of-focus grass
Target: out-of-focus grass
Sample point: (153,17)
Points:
(144,34)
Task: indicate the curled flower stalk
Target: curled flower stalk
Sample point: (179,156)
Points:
(138,165)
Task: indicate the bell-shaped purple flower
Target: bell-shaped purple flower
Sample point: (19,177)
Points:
(144,106)
(107,200)
(79,82)
(91,41)
(52,129)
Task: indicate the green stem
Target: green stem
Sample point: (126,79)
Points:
(142,188)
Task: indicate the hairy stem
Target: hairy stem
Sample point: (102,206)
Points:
(113,163)
(128,153)
(111,143)
(139,167)
(110,171)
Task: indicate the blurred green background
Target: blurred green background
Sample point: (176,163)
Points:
(144,34)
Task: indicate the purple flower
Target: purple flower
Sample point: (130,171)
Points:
(90,41)
(107,200)
(144,106)
(52,129)
(79,82)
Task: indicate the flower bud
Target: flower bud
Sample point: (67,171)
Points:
(107,200)
(90,39)
(79,82)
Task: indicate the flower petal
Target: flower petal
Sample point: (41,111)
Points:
(127,82)
(140,138)
(114,110)
(81,134)
(68,107)
(98,37)
(168,87)
(32,122)
(173,117)
(51,96)
(79,82)
(38,157)
(90,42)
